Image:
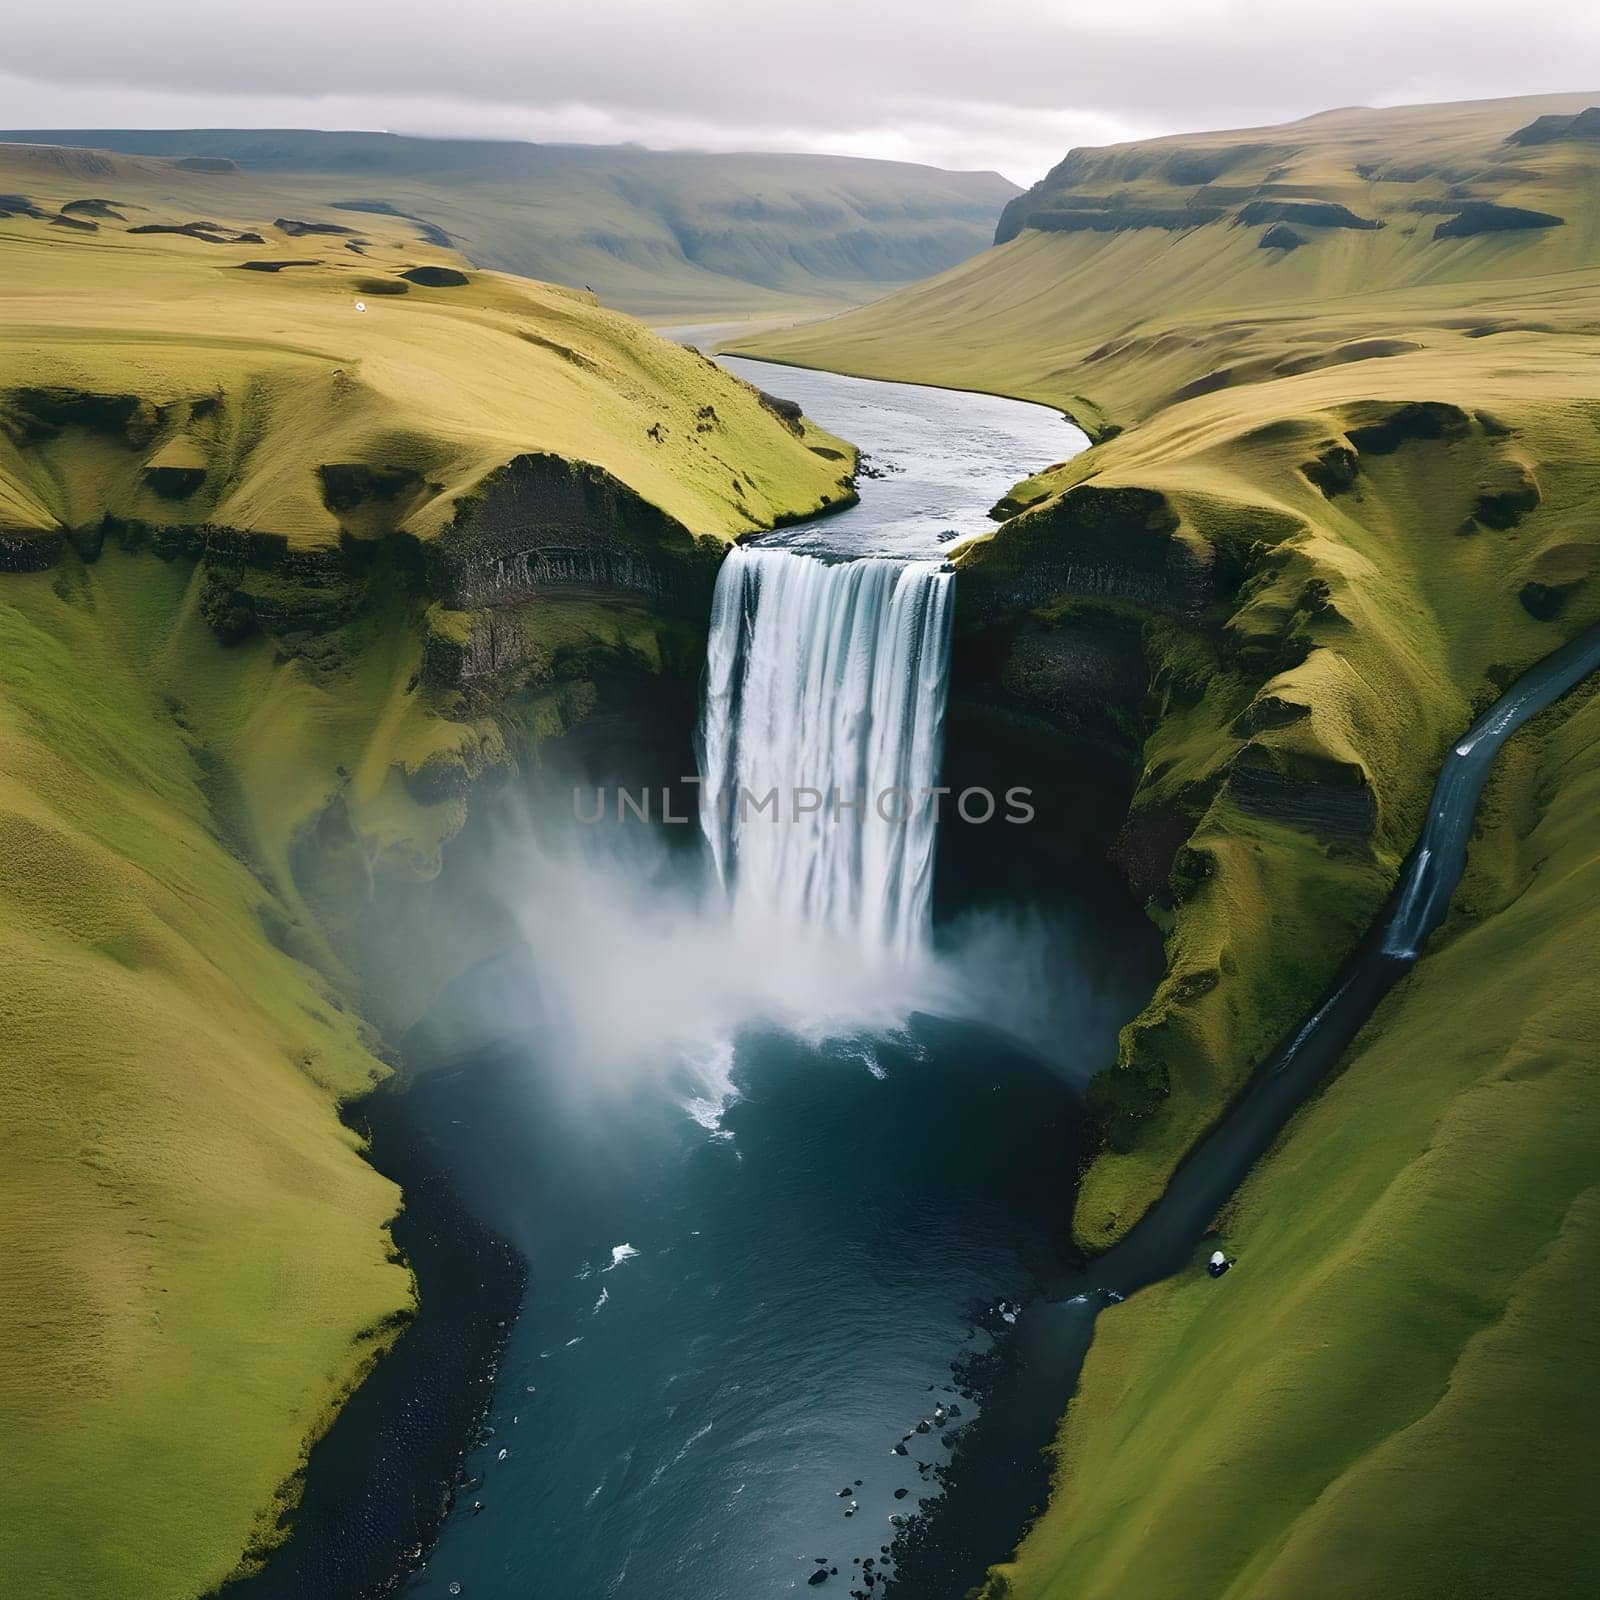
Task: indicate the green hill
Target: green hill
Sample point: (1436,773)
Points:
(1342,377)
(668,235)
(280,579)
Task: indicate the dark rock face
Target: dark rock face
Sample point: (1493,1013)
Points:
(1073,674)
(496,645)
(32,416)
(1050,671)
(1099,544)
(1502,509)
(299,230)
(1583,128)
(1073,219)
(1148,845)
(787,412)
(92,208)
(1266,712)
(1089,179)
(436,277)
(1545,601)
(1337,813)
(174,483)
(543,522)
(1308,213)
(1280,236)
(1335,471)
(348,484)
(210,232)
(1481,217)
(31,552)
(1422,419)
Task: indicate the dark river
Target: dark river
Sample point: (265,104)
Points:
(723,1331)
(789,1166)
(769,1275)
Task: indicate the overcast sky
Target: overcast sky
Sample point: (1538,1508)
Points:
(1009,84)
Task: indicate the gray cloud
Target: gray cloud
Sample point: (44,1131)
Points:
(1008,84)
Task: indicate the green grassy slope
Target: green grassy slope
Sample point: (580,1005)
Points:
(1109,322)
(1393,1393)
(669,235)
(197,1258)
(241,713)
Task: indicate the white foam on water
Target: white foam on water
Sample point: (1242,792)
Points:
(619,1254)
(713,1071)
(688,1444)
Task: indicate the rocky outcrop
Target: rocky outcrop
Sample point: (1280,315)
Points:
(1307,213)
(1116,219)
(436,277)
(1482,217)
(1168,166)
(543,522)
(1116,544)
(1582,128)
(1052,667)
(1331,801)
(30,552)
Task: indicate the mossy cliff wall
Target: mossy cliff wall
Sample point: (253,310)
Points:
(1223,642)
(542,522)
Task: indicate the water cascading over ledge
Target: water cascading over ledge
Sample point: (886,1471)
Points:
(826,682)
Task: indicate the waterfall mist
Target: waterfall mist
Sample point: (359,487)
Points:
(635,966)
(640,959)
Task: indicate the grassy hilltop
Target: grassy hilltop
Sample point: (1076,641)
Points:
(279,580)
(667,235)
(1342,379)
(147,312)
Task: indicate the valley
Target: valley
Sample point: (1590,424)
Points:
(1227,506)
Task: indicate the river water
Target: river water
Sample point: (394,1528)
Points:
(786,1169)
(789,1165)
(933,460)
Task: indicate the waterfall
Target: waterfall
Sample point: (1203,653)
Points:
(825,688)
